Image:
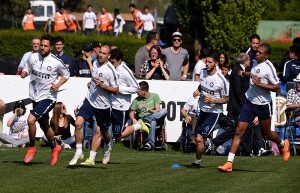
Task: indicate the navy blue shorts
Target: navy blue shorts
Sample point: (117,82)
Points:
(205,123)
(249,111)
(86,111)
(102,117)
(118,121)
(40,110)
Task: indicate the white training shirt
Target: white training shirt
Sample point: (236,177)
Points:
(191,106)
(99,98)
(148,22)
(215,85)
(44,71)
(118,24)
(127,85)
(89,18)
(198,67)
(267,74)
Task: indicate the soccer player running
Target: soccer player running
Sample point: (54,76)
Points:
(44,68)
(213,91)
(263,79)
(104,84)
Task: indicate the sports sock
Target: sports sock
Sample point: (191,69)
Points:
(78,149)
(197,161)
(137,126)
(92,155)
(281,144)
(53,143)
(31,143)
(230,157)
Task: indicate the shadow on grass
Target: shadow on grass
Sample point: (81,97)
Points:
(22,163)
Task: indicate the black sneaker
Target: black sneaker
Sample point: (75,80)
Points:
(148,146)
(194,165)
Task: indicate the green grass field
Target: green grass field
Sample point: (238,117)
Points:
(140,171)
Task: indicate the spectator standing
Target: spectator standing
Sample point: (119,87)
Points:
(82,67)
(177,58)
(105,20)
(118,22)
(292,67)
(213,92)
(60,21)
(156,67)
(35,43)
(18,132)
(148,22)
(200,58)
(96,46)
(251,51)
(28,21)
(73,24)
(59,53)
(142,54)
(263,79)
(44,69)
(138,22)
(89,20)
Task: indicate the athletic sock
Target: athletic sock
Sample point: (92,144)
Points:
(137,126)
(31,143)
(92,155)
(78,149)
(281,144)
(198,161)
(53,143)
(230,157)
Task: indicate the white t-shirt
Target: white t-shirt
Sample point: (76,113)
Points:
(267,74)
(191,106)
(99,98)
(118,24)
(148,22)
(44,71)
(19,127)
(24,60)
(89,18)
(127,85)
(198,67)
(215,85)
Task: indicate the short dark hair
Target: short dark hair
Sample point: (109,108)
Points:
(116,53)
(59,39)
(144,85)
(150,36)
(49,38)
(89,5)
(267,48)
(254,36)
(132,5)
(214,55)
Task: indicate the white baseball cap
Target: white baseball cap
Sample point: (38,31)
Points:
(297,79)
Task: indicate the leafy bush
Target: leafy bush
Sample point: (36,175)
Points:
(16,42)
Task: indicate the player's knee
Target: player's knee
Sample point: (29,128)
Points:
(199,139)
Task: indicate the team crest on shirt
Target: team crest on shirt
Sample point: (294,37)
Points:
(49,68)
(257,71)
(35,61)
(211,84)
(100,74)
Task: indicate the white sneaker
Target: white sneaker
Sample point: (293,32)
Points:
(75,159)
(67,146)
(106,156)
(262,151)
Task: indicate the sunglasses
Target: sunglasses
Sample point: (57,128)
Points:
(177,39)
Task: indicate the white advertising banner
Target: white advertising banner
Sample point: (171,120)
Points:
(172,93)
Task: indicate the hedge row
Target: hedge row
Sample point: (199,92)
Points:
(14,43)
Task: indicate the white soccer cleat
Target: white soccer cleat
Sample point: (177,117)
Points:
(106,156)
(75,159)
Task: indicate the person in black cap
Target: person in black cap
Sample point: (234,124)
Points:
(18,133)
(96,49)
(82,67)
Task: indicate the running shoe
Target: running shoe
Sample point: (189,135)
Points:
(227,167)
(88,162)
(29,155)
(55,153)
(144,128)
(75,159)
(106,156)
(194,165)
(286,150)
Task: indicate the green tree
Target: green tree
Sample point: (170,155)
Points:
(222,24)
(282,10)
